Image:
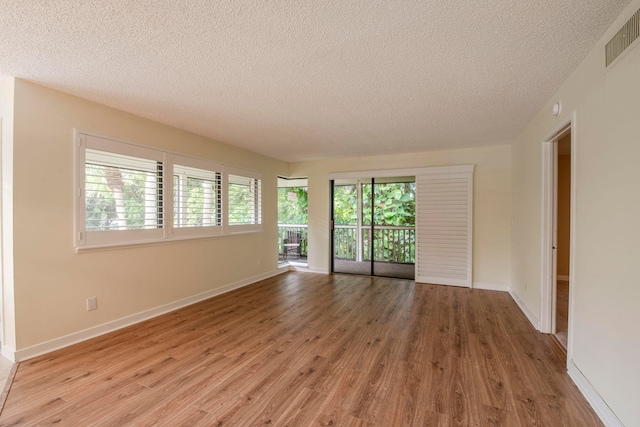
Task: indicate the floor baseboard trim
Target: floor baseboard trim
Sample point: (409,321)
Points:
(490,287)
(8,353)
(283,268)
(307,269)
(105,328)
(532,317)
(607,416)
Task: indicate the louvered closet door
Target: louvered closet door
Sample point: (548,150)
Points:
(444,220)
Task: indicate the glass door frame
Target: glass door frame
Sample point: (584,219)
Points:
(361,226)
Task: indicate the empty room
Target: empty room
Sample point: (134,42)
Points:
(346,213)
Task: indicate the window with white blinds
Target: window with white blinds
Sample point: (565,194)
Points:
(244,200)
(444,218)
(197,197)
(129,194)
(122,192)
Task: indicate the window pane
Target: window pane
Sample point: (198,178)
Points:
(345,201)
(122,192)
(292,205)
(196,201)
(244,200)
(395,204)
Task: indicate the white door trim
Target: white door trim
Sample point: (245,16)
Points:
(1,251)
(549,220)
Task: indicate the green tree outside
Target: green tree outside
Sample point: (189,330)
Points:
(292,205)
(393,206)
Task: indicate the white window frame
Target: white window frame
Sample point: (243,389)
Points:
(207,165)
(240,228)
(113,237)
(86,241)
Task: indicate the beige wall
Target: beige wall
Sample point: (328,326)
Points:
(52,282)
(492,212)
(604,342)
(564,211)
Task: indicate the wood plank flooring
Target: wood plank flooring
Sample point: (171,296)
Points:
(306,349)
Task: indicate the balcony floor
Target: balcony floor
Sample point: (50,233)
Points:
(292,258)
(386,269)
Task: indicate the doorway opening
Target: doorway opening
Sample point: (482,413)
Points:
(293,235)
(373,226)
(564,238)
(558,179)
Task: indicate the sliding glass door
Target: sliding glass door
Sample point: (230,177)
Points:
(348,254)
(373,227)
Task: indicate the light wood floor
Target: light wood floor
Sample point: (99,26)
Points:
(307,349)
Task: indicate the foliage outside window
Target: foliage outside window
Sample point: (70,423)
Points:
(122,192)
(196,200)
(392,238)
(292,205)
(345,204)
(244,200)
(394,204)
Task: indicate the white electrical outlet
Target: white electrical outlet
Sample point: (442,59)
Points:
(92,303)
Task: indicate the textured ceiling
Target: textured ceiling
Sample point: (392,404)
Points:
(309,79)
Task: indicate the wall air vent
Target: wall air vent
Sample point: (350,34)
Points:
(623,39)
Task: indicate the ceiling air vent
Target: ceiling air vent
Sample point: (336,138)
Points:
(623,39)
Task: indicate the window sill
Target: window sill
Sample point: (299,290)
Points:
(158,242)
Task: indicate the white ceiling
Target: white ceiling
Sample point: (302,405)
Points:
(309,79)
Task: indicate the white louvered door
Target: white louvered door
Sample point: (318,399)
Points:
(444,219)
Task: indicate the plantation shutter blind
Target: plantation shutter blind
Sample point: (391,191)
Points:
(131,194)
(196,197)
(444,220)
(244,200)
(121,188)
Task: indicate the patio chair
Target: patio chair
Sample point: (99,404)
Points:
(292,244)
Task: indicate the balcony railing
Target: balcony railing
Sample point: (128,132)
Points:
(390,244)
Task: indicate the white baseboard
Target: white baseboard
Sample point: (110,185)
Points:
(490,286)
(607,416)
(308,269)
(283,268)
(562,277)
(8,353)
(532,317)
(76,337)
